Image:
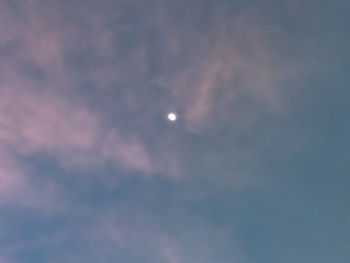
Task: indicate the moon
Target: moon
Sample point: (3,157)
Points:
(172,116)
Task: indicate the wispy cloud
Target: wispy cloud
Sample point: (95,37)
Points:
(38,114)
(85,88)
(70,82)
(41,111)
(12,180)
(236,59)
(40,122)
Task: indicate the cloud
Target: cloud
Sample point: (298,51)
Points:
(86,85)
(12,180)
(4,260)
(19,188)
(42,112)
(130,153)
(238,59)
(41,122)
(169,250)
(39,107)
(84,89)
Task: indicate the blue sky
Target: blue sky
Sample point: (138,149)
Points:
(254,170)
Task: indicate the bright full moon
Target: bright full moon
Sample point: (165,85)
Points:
(172,116)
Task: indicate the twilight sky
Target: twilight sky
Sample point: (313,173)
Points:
(254,170)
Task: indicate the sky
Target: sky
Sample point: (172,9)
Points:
(255,169)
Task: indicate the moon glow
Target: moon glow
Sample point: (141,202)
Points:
(172,116)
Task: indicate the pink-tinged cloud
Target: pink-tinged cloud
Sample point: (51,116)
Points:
(129,152)
(45,115)
(46,123)
(5,260)
(39,121)
(50,114)
(169,250)
(12,179)
(43,122)
(239,59)
(19,189)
